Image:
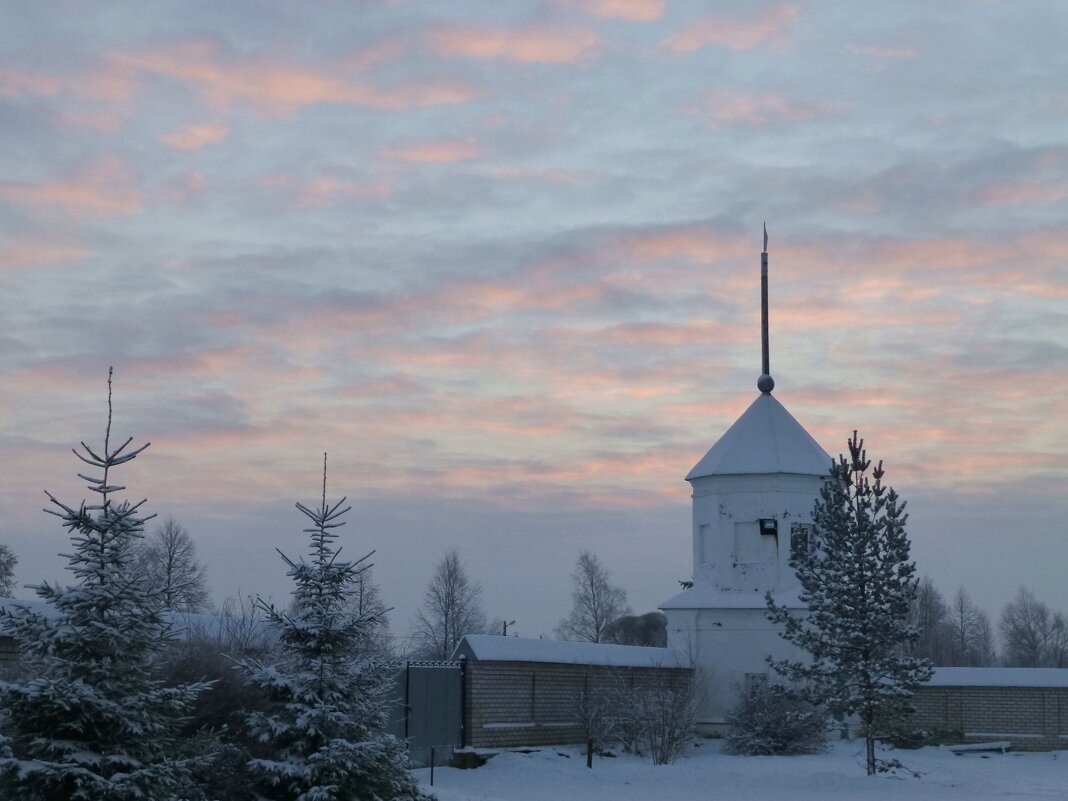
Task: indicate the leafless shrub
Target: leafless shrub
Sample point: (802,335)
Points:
(667,711)
(597,711)
(647,714)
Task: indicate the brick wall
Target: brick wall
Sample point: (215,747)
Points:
(1031,718)
(535,703)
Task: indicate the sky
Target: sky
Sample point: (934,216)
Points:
(501,262)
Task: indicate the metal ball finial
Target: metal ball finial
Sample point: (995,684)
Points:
(765,383)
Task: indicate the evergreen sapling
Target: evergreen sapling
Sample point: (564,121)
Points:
(90,722)
(322,736)
(857,584)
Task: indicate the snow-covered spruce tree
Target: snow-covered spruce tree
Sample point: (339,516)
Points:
(857,583)
(91,724)
(773,720)
(321,737)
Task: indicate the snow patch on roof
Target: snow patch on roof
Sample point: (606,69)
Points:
(765,439)
(495,648)
(998,677)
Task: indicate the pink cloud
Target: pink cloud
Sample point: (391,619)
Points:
(646,335)
(736,34)
(184,187)
(281,89)
(758,110)
(433,152)
(16,84)
(813,313)
(880,52)
(530,46)
(103,189)
(104,121)
(1020,192)
(629,10)
(690,242)
(29,253)
(573,177)
(324,191)
(109,82)
(194,137)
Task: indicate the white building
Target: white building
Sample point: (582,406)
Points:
(753,495)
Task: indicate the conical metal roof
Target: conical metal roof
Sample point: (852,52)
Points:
(765,439)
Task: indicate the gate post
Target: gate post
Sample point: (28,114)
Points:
(407,690)
(463,701)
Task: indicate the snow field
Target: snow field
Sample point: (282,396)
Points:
(560,774)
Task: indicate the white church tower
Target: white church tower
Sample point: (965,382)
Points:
(753,495)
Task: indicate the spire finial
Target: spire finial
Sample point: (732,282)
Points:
(765,383)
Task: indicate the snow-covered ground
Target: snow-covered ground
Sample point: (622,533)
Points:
(561,775)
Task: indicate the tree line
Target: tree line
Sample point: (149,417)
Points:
(957,633)
(600,613)
(953,632)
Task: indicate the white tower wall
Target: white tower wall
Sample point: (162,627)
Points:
(722,622)
(753,494)
(731,552)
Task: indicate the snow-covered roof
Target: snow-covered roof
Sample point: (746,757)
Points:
(495,648)
(999,677)
(765,439)
(711,598)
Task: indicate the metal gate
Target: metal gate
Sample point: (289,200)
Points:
(429,710)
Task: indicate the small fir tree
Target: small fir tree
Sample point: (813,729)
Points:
(92,723)
(8,560)
(773,720)
(322,734)
(857,583)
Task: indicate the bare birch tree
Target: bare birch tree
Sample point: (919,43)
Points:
(452,607)
(930,615)
(971,644)
(1033,635)
(168,560)
(596,602)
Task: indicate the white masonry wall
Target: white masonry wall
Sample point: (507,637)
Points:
(729,551)
(722,621)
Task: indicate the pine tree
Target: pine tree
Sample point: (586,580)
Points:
(323,735)
(91,722)
(857,583)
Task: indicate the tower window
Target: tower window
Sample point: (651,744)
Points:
(769,526)
(705,544)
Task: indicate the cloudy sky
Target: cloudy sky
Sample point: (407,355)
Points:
(501,260)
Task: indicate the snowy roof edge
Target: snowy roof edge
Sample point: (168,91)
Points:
(495,648)
(998,677)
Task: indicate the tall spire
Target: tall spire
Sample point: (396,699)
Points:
(765,383)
